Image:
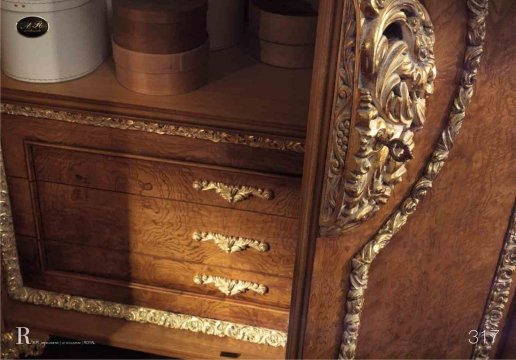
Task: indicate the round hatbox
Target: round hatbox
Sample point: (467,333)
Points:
(52,41)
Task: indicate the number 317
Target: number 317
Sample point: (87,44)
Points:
(487,337)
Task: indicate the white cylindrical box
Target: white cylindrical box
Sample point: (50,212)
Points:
(225,22)
(52,41)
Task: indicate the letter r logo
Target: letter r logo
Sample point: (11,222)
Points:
(23,332)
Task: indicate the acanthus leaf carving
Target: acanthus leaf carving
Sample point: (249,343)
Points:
(397,72)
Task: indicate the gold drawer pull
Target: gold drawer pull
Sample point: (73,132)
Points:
(233,193)
(230,287)
(231,244)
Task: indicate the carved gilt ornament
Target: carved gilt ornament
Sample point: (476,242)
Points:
(362,261)
(499,295)
(231,244)
(233,193)
(230,287)
(396,75)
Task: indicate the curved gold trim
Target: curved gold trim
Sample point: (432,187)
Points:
(231,244)
(230,287)
(498,295)
(361,262)
(16,291)
(160,128)
(233,193)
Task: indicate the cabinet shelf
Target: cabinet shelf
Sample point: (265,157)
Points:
(242,94)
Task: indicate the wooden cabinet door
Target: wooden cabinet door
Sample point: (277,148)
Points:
(407,244)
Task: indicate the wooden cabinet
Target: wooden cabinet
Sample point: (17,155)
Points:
(276,212)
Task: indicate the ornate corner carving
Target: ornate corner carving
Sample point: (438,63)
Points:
(396,75)
(12,350)
(498,295)
(230,287)
(231,244)
(362,261)
(233,193)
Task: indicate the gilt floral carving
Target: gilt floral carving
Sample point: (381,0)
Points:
(230,287)
(397,72)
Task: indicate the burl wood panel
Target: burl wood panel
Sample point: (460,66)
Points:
(332,256)
(159,178)
(131,335)
(430,286)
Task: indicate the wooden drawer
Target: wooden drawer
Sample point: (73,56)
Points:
(167,274)
(224,187)
(76,275)
(163,228)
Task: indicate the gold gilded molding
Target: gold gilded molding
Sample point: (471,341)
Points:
(498,295)
(231,244)
(160,128)
(233,193)
(230,287)
(397,72)
(12,350)
(361,262)
(17,291)
(340,122)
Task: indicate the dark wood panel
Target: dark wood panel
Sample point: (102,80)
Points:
(131,335)
(17,129)
(22,208)
(159,178)
(163,228)
(159,272)
(28,254)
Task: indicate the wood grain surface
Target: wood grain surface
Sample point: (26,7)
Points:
(17,129)
(158,178)
(163,228)
(428,287)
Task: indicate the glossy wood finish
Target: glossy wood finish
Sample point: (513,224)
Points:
(426,290)
(154,226)
(435,275)
(328,31)
(17,129)
(155,177)
(460,227)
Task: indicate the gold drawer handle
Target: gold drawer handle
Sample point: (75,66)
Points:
(230,287)
(231,244)
(233,193)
